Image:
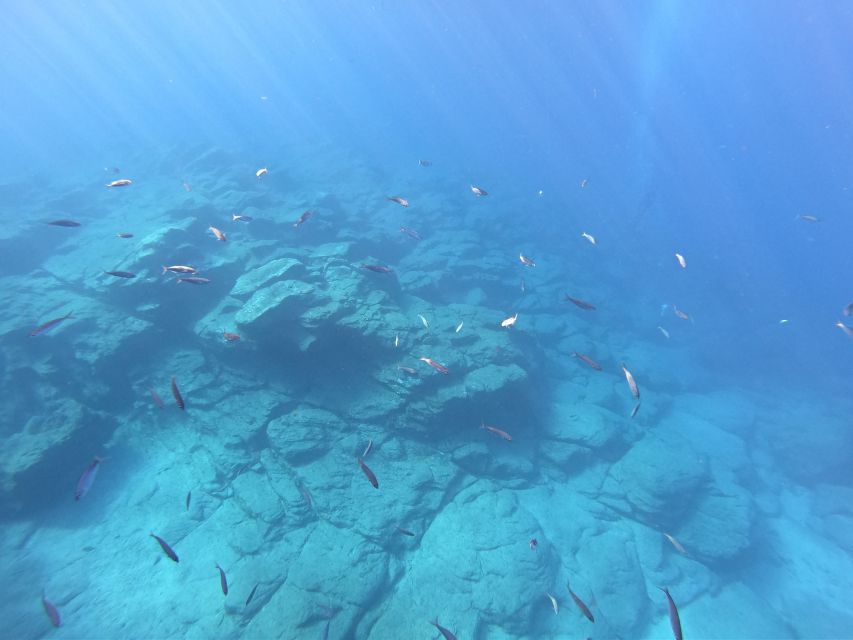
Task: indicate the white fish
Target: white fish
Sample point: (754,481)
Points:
(783,322)
(588,237)
(459,326)
(681,260)
(553,603)
(424,320)
(509,321)
(664,332)
(261,172)
(396,344)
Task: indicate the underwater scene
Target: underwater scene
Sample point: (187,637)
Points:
(396,320)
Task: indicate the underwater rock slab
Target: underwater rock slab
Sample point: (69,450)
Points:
(658,480)
(251,281)
(302,436)
(266,309)
(469,572)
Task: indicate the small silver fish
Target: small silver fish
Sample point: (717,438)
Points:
(459,326)
(425,322)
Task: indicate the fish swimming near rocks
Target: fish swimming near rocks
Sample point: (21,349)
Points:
(368,473)
(194,280)
(401,201)
(586,306)
(424,321)
(158,401)
(51,611)
(411,233)
(435,365)
(165,547)
(87,478)
(509,321)
(218,234)
(305,216)
(231,337)
(632,385)
(554,604)
(580,604)
(176,393)
(377,268)
(674,619)
(189,499)
(252,594)
(50,324)
(587,360)
(64,223)
(675,543)
(120,274)
(179,268)
(406,532)
(223,581)
(448,635)
(495,430)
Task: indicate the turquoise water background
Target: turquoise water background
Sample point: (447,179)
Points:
(720,132)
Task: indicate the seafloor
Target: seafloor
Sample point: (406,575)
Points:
(275,423)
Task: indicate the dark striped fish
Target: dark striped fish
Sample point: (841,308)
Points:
(64,223)
(448,635)
(47,326)
(194,280)
(674,620)
(87,478)
(120,274)
(580,603)
(51,611)
(223,581)
(189,497)
(580,303)
(166,548)
(179,399)
(252,594)
(367,472)
(406,532)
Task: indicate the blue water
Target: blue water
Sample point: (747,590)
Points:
(718,131)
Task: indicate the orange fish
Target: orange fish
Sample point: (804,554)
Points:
(219,235)
(435,365)
(230,337)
